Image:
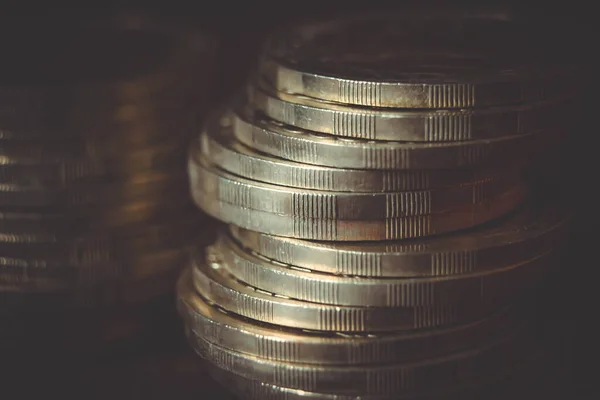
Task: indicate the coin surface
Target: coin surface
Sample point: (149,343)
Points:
(218,286)
(307,203)
(231,331)
(307,147)
(401,125)
(380,234)
(252,389)
(522,235)
(437,61)
(399,379)
(356,230)
(489,287)
(219,146)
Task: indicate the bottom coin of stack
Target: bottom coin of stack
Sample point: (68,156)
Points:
(293,318)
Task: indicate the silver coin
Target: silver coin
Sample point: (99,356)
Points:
(498,285)
(45,226)
(304,203)
(525,234)
(257,390)
(55,241)
(33,167)
(82,195)
(47,277)
(402,125)
(215,325)
(214,283)
(219,146)
(106,246)
(399,379)
(314,148)
(452,59)
(356,230)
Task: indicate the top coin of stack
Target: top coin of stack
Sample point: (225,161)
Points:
(94,125)
(377,128)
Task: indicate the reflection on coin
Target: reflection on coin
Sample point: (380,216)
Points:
(443,60)
(317,287)
(299,145)
(409,126)
(220,287)
(523,235)
(305,203)
(357,230)
(220,147)
(231,331)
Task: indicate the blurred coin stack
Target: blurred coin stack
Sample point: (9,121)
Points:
(95,116)
(383,240)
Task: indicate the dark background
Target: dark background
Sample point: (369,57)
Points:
(167,370)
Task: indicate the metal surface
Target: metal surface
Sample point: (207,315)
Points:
(313,148)
(217,285)
(303,284)
(292,345)
(219,146)
(411,126)
(306,203)
(525,234)
(415,59)
(358,230)
(405,379)
(385,239)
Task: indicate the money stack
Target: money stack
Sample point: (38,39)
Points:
(95,116)
(383,240)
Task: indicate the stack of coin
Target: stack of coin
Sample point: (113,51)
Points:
(381,242)
(95,116)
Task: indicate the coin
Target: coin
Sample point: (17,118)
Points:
(492,286)
(136,160)
(218,326)
(218,286)
(103,195)
(438,61)
(253,389)
(45,226)
(398,379)
(522,235)
(357,230)
(304,203)
(38,276)
(63,242)
(107,245)
(219,146)
(401,125)
(84,171)
(298,145)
